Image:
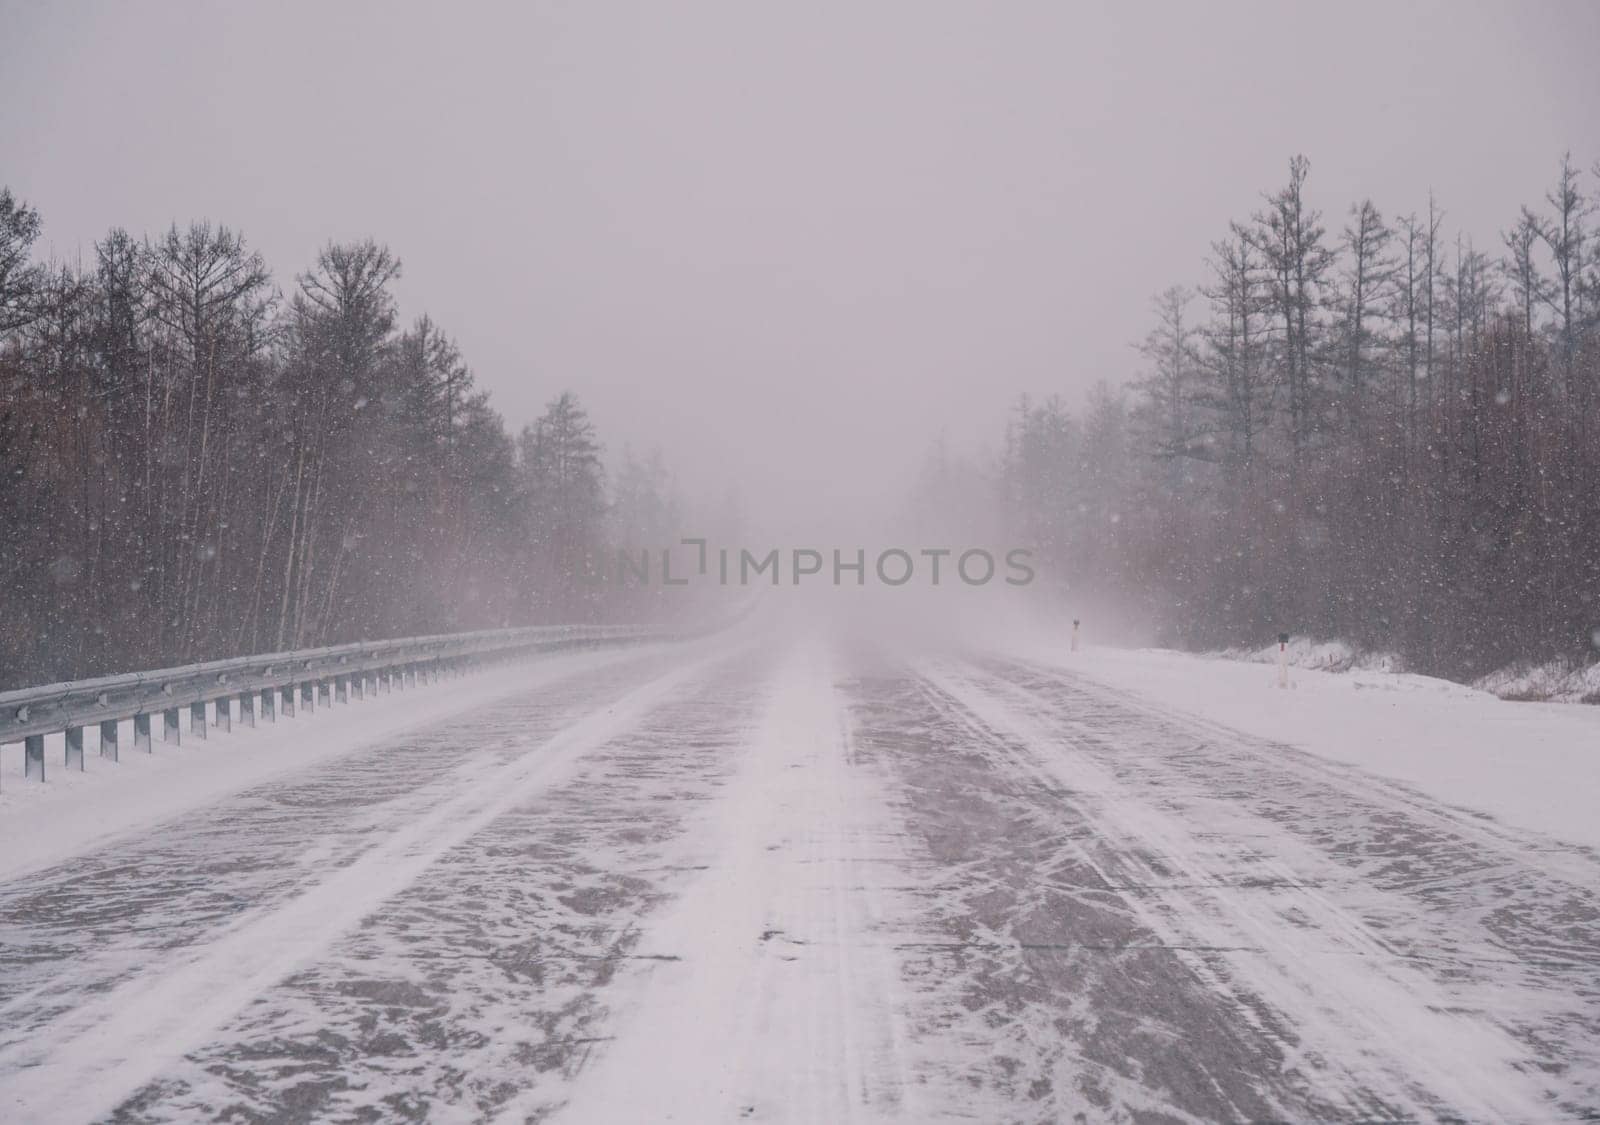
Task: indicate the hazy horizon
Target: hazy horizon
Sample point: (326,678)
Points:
(787,247)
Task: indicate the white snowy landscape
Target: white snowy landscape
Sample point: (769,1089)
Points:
(895,561)
(817,881)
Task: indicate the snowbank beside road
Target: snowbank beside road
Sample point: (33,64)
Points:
(1327,656)
(1558,680)
(1555,681)
(1535,766)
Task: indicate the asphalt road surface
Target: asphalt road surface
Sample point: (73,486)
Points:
(808,883)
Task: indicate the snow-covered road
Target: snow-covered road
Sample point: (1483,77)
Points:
(805,882)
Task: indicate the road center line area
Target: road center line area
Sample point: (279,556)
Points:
(807,882)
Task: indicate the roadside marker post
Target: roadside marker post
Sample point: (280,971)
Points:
(1074,634)
(1283,660)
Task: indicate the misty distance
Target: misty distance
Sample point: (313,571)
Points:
(891,566)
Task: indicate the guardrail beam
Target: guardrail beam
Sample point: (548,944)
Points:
(288,681)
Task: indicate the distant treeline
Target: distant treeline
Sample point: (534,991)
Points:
(195,464)
(1383,434)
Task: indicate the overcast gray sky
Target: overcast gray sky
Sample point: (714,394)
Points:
(786,243)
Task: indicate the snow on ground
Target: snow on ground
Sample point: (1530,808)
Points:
(75,810)
(114,1023)
(1345,966)
(820,881)
(1327,656)
(1532,765)
(1554,681)
(775,947)
(1559,681)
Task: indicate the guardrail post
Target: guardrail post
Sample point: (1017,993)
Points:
(343,672)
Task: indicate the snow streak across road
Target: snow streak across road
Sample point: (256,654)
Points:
(739,881)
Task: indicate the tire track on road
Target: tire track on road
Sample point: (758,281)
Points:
(774,994)
(85,1060)
(1038,994)
(1289,932)
(1505,922)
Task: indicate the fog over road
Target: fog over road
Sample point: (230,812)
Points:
(810,881)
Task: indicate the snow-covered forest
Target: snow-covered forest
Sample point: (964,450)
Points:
(199,461)
(1364,426)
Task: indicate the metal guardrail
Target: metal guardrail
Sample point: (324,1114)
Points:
(319,675)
